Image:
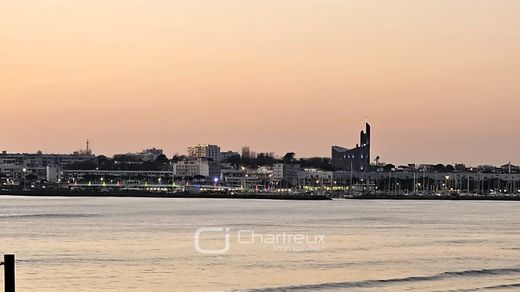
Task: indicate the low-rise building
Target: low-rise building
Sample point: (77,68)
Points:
(287,174)
(228,154)
(245,179)
(197,167)
(138,157)
(121,177)
(312,176)
(149,154)
(39,159)
(19,165)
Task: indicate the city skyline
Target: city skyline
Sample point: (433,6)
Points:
(89,151)
(437,79)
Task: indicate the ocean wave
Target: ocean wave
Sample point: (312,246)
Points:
(487,288)
(393,281)
(54,216)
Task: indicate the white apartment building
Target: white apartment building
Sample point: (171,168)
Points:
(245,179)
(197,167)
(312,176)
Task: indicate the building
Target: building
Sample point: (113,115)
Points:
(38,159)
(286,174)
(114,177)
(197,167)
(228,155)
(510,168)
(205,151)
(312,177)
(52,174)
(356,159)
(138,157)
(245,179)
(149,154)
(17,165)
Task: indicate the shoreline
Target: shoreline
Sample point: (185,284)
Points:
(437,198)
(252,196)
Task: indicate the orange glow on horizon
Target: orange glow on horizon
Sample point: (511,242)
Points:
(438,80)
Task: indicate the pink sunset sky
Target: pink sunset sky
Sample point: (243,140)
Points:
(438,80)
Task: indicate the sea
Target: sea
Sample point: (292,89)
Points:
(162,244)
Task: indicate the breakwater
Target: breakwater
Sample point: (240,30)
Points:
(145,194)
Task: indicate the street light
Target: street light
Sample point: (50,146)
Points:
(24,171)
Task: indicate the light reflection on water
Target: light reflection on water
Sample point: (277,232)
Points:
(146,244)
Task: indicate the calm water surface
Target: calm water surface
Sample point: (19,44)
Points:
(141,244)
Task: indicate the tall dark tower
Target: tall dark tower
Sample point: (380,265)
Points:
(356,159)
(367,126)
(364,149)
(368,145)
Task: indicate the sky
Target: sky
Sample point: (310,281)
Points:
(438,80)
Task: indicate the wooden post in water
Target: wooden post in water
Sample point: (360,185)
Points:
(9,273)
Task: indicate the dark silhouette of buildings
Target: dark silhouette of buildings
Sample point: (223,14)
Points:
(356,159)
